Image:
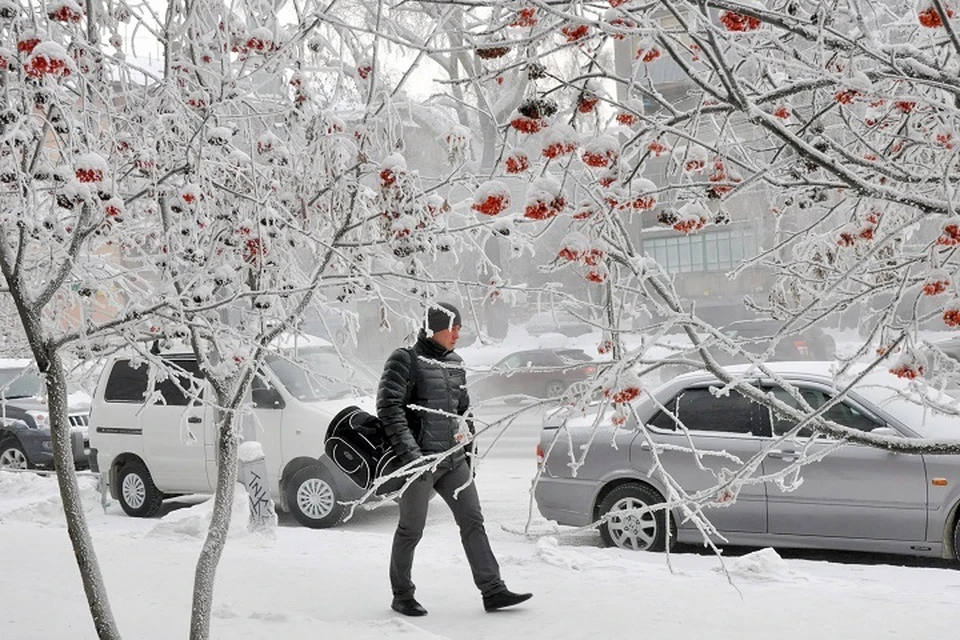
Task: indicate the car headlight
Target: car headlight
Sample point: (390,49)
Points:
(40,418)
(47,445)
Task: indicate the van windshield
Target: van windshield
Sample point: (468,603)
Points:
(320,374)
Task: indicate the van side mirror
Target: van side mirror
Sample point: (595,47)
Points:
(266,398)
(889,432)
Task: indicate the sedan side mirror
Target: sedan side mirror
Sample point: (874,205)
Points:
(890,432)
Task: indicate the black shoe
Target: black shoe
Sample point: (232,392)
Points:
(408,607)
(503,599)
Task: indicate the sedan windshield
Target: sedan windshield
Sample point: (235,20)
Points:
(320,374)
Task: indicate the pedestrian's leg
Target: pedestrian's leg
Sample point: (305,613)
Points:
(413,516)
(466,512)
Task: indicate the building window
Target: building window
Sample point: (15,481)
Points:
(716,251)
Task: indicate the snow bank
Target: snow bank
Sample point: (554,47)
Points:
(35,498)
(764,565)
(195,521)
(549,550)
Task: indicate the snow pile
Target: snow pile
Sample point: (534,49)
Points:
(549,550)
(249,451)
(35,498)
(195,521)
(764,565)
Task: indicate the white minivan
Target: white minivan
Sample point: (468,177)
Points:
(154,441)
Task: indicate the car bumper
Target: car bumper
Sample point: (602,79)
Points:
(568,501)
(39,449)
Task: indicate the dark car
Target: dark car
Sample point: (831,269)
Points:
(755,336)
(25,440)
(543,373)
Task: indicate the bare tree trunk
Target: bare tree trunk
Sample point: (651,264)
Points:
(219,526)
(83,550)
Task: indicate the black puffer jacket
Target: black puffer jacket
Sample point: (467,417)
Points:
(437,381)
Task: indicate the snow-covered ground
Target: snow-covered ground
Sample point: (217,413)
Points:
(301,583)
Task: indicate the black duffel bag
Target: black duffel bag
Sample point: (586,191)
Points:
(355,443)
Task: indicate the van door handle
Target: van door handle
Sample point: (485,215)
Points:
(194,420)
(645,445)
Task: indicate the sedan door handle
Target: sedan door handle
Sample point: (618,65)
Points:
(194,420)
(645,446)
(786,456)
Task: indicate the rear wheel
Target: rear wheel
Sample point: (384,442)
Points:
(313,499)
(555,389)
(956,540)
(12,455)
(627,526)
(139,497)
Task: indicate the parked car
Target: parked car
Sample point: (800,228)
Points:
(155,441)
(856,498)
(543,373)
(947,365)
(756,335)
(25,439)
(556,322)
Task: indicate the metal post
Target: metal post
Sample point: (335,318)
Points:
(253,475)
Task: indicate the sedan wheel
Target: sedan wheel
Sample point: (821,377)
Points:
(627,525)
(555,389)
(956,540)
(12,456)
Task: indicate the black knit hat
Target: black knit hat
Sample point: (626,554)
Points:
(442,315)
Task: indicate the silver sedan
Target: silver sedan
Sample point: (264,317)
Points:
(855,497)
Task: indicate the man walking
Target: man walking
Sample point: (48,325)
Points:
(431,375)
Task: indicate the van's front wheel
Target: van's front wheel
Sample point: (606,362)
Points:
(313,499)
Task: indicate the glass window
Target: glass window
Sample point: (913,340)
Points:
(782,424)
(544,359)
(263,394)
(319,374)
(842,413)
(181,384)
(126,384)
(511,362)
(708,251)
(700,410)
(20,383)
(850,416)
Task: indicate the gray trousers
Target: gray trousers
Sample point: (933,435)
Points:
(466,512)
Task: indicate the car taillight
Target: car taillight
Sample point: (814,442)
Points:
(802,348)
(539,454)
(589,371)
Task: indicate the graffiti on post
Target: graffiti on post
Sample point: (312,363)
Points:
(262,514)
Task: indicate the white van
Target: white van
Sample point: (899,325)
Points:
(163,448)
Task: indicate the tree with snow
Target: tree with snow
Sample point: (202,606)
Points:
(264,167)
